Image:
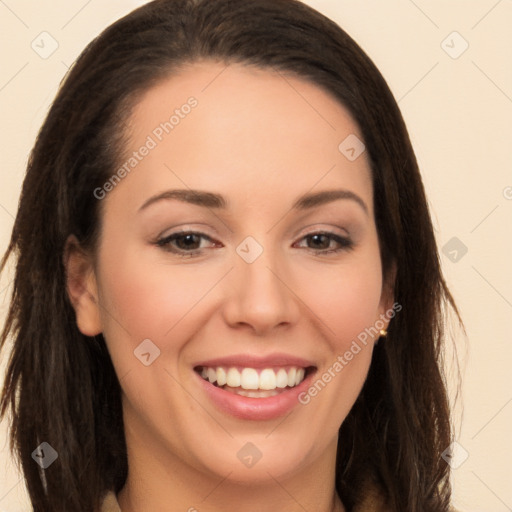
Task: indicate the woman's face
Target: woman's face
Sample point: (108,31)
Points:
(280,277)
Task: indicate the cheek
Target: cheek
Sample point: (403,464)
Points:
(346,298)
(144,300)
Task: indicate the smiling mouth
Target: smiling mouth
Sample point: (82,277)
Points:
(255,383)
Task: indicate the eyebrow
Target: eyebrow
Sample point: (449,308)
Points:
(213,200)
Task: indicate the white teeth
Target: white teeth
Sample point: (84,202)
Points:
(212,375)
(254,394)
(233,378)
(291,377)
(249,379)
(267,379)
(221,376)
(281,378)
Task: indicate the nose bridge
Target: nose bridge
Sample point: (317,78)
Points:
(259,294)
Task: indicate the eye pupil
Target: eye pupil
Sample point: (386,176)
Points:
(317,238)
(189,243)
(189,239)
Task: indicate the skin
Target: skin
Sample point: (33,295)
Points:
(261,139)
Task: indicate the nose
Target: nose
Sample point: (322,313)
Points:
(260,296)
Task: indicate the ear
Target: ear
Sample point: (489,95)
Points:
(81,287)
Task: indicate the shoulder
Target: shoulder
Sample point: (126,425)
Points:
(110,503)
(373,502)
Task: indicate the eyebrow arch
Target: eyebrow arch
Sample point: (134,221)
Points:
(312,200)
(197,197)
(213,200)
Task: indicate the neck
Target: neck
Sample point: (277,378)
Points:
(222,496)
(165,483)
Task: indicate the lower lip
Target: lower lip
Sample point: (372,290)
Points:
(247,408)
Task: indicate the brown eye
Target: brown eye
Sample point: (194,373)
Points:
(184,243)
(325,243)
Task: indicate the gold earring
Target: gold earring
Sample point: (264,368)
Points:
(383,333)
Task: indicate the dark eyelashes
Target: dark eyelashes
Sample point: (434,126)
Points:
(166,242)
(170,242)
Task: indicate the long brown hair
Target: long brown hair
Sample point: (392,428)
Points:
(61,385)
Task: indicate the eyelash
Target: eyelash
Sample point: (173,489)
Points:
(346,244)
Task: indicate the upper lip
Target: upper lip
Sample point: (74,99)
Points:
(253,361)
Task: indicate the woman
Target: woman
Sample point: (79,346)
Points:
(227,292)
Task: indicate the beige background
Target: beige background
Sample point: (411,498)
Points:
(459,114)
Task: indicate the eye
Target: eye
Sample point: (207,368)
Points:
(184,243)
(322,242)
(189,243)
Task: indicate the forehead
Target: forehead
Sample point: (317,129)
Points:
(231,127)
(230,95)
